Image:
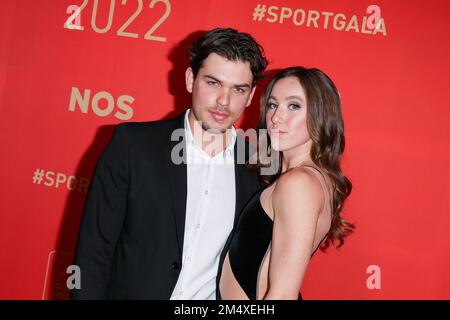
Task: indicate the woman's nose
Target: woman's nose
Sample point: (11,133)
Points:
(277,116)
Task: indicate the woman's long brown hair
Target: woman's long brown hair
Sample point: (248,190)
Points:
(326,129)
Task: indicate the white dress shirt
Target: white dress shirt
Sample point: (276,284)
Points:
(210,209)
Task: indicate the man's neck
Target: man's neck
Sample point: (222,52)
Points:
(210,143)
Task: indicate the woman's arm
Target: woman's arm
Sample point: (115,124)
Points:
(297,201)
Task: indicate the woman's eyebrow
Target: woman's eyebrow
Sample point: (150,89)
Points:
(295,97)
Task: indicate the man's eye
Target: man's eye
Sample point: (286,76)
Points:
(240,90)
(212,83)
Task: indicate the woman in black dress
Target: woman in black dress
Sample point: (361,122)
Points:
(299,210)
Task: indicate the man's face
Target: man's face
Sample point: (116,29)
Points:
(221,91)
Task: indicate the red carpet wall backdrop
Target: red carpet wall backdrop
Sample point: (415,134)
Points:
(70,70)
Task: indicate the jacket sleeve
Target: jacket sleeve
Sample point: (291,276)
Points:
(104,213)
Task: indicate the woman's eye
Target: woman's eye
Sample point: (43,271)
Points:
(271,105)
(294,106)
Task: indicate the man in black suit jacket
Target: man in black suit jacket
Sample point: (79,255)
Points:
(155,220)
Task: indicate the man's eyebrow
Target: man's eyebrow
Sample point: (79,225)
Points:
(241,85)
(212,78)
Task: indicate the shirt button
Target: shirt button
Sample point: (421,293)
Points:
(197,226)
(189,259)
(206,192)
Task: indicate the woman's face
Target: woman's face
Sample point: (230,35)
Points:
(286,115)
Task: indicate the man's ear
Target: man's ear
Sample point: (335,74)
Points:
(189,79)
(249,101)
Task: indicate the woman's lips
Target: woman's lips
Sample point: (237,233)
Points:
(276,132)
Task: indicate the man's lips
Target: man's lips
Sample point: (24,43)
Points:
(219,116)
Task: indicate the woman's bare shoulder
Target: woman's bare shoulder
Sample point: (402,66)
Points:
(296,189)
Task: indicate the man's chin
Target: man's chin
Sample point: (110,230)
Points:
(214,130)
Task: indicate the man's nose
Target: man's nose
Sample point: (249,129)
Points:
(224,98)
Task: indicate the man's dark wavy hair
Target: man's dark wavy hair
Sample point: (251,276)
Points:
(232,45)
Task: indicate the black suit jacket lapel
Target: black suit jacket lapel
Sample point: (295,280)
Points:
(177,176)
(246,182)
(238,184)
(243,178)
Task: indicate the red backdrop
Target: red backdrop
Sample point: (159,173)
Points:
(62,90)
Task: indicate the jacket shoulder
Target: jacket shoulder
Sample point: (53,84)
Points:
(148,126)
(151,129)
